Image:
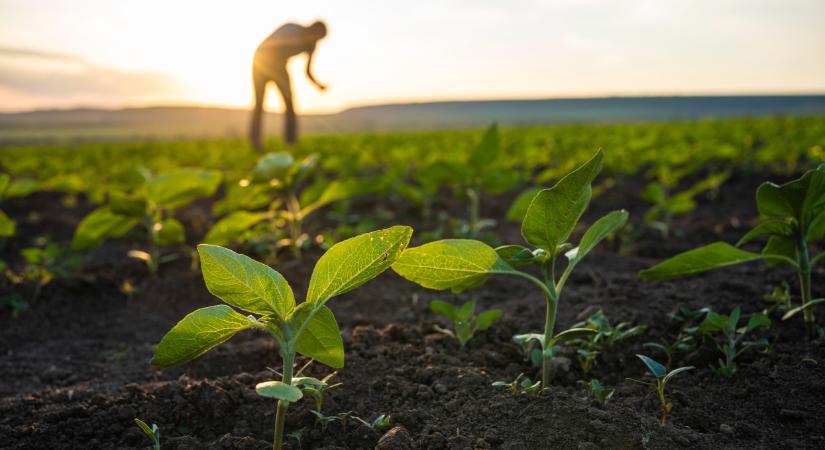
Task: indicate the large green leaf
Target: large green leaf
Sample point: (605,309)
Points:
(100,224)
(782,247)
(320,338)
(554,212)
(772,227)
(231,226)
(273,166)
(800,199)
(7,226)
(486,153)
(21,187)
(279,391)
(126,205)
(243,282)
(702,259)
(596,233)
(519,207)
(457,264)
(351,263)
(178,188)
(197,333)
(170,232)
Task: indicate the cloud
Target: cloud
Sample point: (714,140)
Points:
(48,78)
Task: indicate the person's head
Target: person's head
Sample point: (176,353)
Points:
(318,30)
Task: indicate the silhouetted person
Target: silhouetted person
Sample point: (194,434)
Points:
(270,64)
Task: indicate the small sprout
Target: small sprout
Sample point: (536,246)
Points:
(722,332)
(605,337)
(662,376)
(779,300)
(315,388)
(520,385)
(380,423)
(600,393)
(465,322)
(324,420)
(686,322)
(152,432)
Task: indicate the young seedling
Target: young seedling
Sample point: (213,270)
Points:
(461,264)
(520,385)
(152,432)
(600,393)
(465,322)
(667,203)
(317,389)
(289,193)
(792,217)
(604,338)
(779,300)
(687,325)
(662,376)
(732,338)
(152,208)
(308,328)
(378,424)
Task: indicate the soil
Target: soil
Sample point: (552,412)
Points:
(74,367)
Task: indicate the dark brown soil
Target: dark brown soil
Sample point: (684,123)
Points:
(74,368)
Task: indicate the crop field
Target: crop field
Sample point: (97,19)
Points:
(649,285)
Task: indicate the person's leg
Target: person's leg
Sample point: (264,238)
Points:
(290,125)
(259,81)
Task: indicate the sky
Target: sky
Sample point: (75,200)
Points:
(104,53)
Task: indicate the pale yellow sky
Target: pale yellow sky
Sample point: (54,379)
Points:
(60,53)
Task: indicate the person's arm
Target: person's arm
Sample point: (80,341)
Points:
(309,71)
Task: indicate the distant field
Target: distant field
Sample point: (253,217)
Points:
(165,123)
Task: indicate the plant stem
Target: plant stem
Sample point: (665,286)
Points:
(805,282)
(549,324)
(280,415)
(294,209)
(472,192)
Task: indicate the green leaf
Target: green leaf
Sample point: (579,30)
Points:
(515,255)
(757,321)
(816,230)
(485,319)
(658,370)
(519,207)
(4,183)
(231,226)
(320,338)
(675,372)
(486,153)
(702,259)
(21,187)
(147,430)
(444,309)
(572,333)
(100,224)
(596,233)
(779,246)
(7,226)
(466,311)
(343,189)
(279,391)
(800,199)
(800,308)
(170,232)
(554,212)
(713,323)
(126,205)
(273,166)
(773,227)
(457,264)
(351,263)
(197,333)
(245,283)
(178,188)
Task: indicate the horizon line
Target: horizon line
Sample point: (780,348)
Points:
(411,101)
